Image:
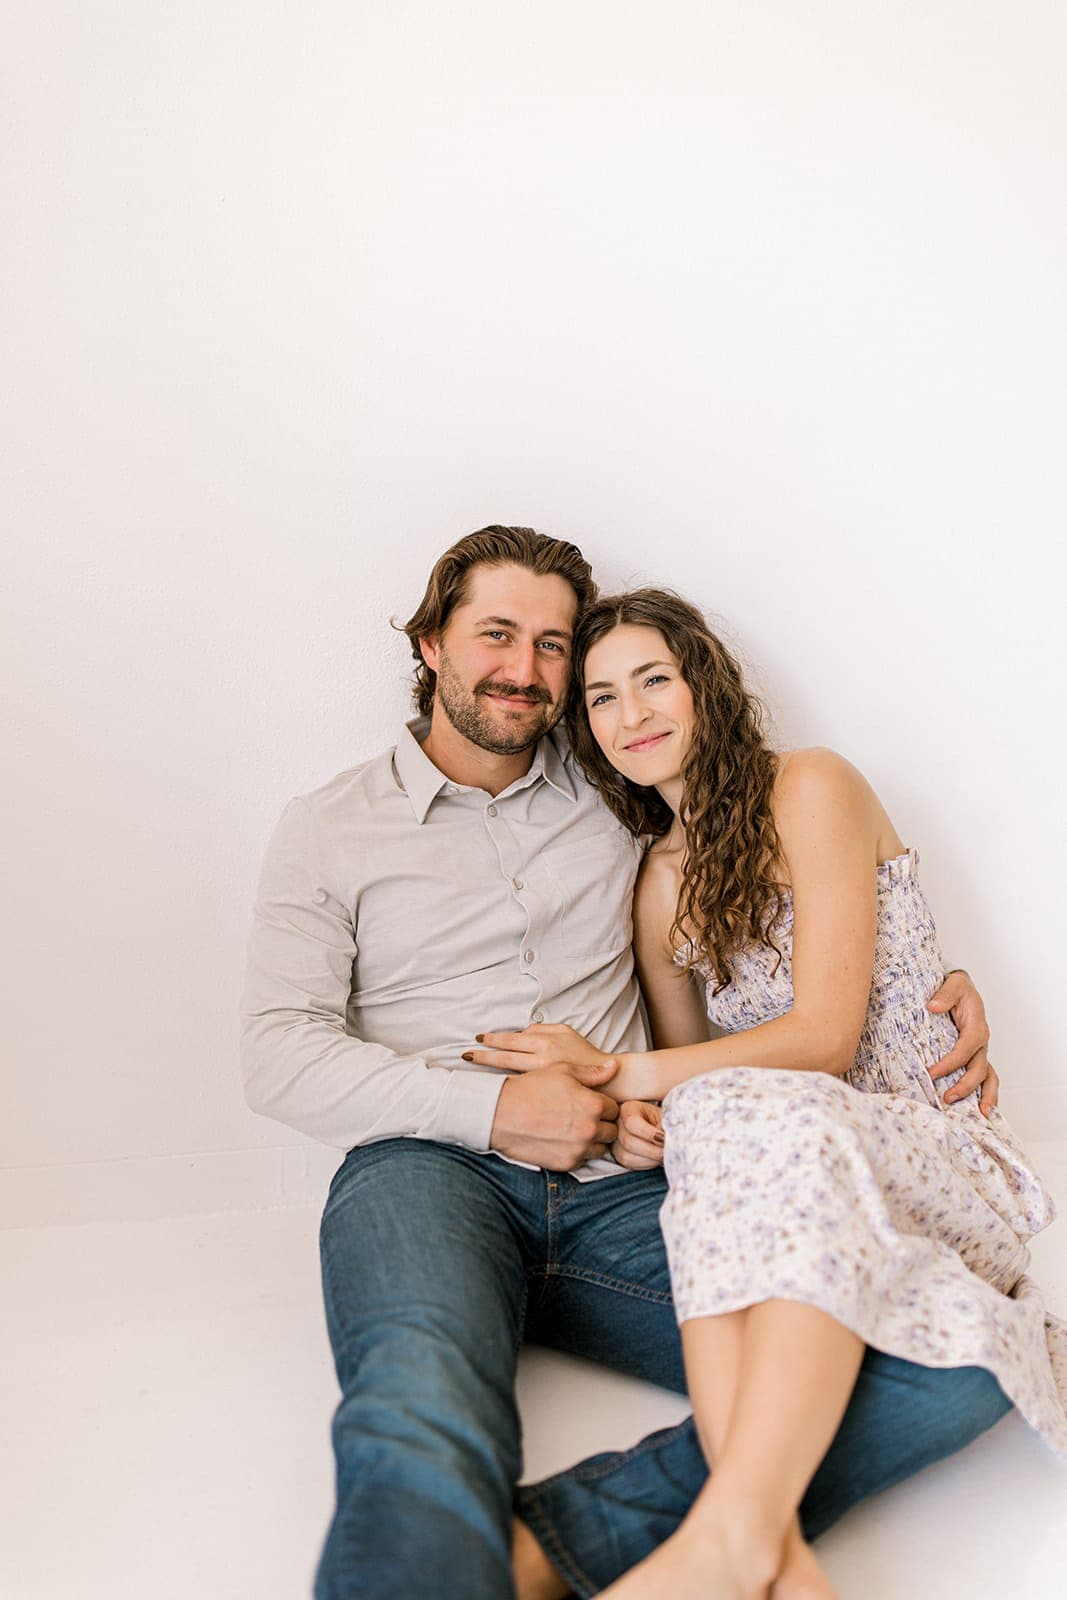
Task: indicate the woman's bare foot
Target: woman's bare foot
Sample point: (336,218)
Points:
(715,1555)
(801,1577)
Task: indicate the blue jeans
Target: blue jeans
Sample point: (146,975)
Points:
(436,1263)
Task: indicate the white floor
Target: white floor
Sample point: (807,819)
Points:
(166,1395)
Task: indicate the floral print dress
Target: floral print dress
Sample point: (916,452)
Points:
(865,1195)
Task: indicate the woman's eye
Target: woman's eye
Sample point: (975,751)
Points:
(657,677)
(599,700)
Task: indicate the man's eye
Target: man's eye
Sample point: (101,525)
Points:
(550,644)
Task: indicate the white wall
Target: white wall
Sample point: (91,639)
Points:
(763,300)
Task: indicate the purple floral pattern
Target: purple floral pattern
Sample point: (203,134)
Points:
(865,1195)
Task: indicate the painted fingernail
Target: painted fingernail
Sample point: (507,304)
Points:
(479,1037)
(467,1055)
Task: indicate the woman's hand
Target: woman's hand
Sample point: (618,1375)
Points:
(539,1045)
(639,1142)
(546,1044)
(959,996)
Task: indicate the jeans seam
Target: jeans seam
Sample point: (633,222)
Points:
(603,1280)
(520,1325)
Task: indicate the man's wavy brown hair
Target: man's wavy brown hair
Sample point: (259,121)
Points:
(731,894)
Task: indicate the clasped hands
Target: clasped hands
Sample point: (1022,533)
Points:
(589,1120)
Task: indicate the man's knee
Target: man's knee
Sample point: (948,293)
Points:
(423,1278)
(416,1401)
(962,1403)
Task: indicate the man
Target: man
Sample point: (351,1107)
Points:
(469,880)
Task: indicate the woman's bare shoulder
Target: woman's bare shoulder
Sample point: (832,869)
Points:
(819,786)
(817,770)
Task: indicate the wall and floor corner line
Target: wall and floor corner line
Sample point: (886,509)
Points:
(146,1188)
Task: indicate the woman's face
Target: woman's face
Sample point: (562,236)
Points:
(639,706)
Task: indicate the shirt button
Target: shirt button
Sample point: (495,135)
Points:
(492,811)
(320,897)
(519,884)
(539,1016)
(528,955)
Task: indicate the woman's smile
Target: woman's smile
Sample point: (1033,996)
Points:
(647,741)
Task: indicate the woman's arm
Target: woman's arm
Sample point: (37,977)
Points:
(674,1002)
(828,823)
(673,996)
(833,833)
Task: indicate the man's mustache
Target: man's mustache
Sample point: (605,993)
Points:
(539,696)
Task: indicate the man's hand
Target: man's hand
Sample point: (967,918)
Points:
(555,1118)
(540,1045)
(639,1144)
(959,996)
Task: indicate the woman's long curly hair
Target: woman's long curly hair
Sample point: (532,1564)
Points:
(731,893)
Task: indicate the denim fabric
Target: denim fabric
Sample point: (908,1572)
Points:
(436,1262)
(609,1512)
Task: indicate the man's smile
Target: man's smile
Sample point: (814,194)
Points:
(514,702)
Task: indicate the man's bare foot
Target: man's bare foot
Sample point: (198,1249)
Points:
(801,1577)
(713,1556)
(535,1576)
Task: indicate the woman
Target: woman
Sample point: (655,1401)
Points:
(805,1219)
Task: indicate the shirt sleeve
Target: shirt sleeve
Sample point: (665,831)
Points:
(299,1065)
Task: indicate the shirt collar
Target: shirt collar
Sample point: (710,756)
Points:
(554,752)
(422,781)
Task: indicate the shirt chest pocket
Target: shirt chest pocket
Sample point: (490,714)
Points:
(590,883)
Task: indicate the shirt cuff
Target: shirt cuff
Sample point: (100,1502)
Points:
(468,1106)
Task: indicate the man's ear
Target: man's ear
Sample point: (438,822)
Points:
(429,650)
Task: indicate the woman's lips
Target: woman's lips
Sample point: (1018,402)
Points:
(639,746)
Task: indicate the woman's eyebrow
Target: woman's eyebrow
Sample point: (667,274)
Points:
(636,673)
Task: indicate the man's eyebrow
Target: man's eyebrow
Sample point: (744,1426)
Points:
(509,622)
(636,673)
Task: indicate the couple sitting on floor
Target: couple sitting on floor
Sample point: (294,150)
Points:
(441,982)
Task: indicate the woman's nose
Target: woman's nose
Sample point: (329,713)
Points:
(634,711)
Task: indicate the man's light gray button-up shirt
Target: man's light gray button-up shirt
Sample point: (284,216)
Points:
(400,914)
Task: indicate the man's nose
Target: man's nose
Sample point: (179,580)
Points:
(525,665)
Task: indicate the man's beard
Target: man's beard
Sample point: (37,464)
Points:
(484,726)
